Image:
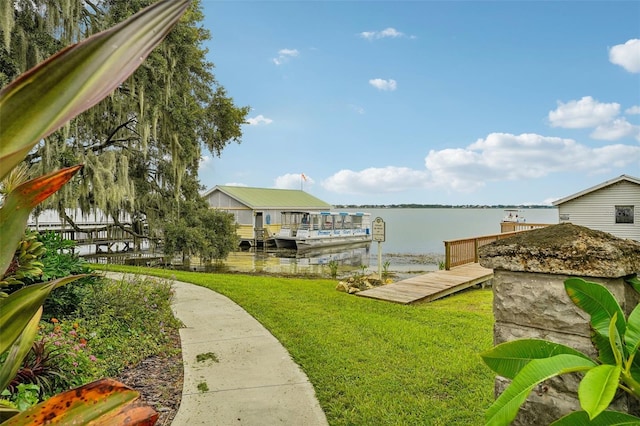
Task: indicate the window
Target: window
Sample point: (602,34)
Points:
(624,214)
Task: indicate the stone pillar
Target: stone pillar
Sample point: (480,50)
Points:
(530,300)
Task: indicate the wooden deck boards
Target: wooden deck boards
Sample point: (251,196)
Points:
(431,286)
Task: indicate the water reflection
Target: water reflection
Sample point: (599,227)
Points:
(353,259)
(292,262)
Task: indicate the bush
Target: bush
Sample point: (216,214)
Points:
(116,324)
(72,363)
(60,261)
(127,320)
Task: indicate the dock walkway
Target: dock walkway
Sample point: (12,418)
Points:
(431,286)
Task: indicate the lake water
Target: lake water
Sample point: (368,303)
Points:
(423,231)
(414,242)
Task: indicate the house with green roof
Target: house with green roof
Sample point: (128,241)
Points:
(258,211)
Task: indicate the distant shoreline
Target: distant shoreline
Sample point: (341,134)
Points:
(440,206)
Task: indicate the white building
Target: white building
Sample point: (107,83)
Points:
(612,206)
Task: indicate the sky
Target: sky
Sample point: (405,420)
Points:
(428,102)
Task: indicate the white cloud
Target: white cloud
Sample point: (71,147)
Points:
(259,119)
(627,55)
(293,181)
(498,157)
(382,84)
(375,180)
(284,55)
(236,184)
(633,110)
(616,129)
(503,156)
(386,33)
(587,112)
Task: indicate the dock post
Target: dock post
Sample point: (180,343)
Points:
(380,260)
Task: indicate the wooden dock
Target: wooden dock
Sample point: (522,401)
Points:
(431,286)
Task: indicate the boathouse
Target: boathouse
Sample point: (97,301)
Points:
(612,206)
(258,211)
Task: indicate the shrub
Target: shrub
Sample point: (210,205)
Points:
(127,320)
(59,260)
(68,342)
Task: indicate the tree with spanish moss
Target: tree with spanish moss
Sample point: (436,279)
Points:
(142,145)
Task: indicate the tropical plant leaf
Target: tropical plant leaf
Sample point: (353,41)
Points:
(606,418)
(634,282)
(19,350)
(6,412)
(17,310)
(603,345)
(135,413)
(632,336)
(598,387)
(615,341)
(97,403)
(507,359)
(44,98)
(506,407)
(17,206)
(598,302)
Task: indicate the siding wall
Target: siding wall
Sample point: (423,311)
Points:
(244,215)
(596,210)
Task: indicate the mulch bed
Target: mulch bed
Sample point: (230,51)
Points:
(159,380)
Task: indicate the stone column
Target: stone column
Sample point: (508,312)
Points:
(530,300)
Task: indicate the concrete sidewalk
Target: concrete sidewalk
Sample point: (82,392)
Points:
(245,377)
(254,380)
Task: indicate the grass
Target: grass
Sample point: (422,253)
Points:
(372,362)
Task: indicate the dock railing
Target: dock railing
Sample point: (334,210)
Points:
(463,251)
(520,226)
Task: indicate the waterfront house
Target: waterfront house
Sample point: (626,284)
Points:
(612,206)
(258,211)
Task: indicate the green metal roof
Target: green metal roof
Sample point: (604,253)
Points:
(273,198)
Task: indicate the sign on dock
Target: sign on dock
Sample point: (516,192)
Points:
(378,230)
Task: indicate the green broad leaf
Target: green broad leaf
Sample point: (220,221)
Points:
(632,336)
(19,350)
(506,407)
(44,98)
(606,418)
(598,387)
(507,359)
(615,342)
(17,310)
(17,206)
(634,282)
(603,345)
(598,302)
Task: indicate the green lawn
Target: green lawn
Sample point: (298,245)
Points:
(372,362)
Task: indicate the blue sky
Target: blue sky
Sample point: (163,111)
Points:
(457,102)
